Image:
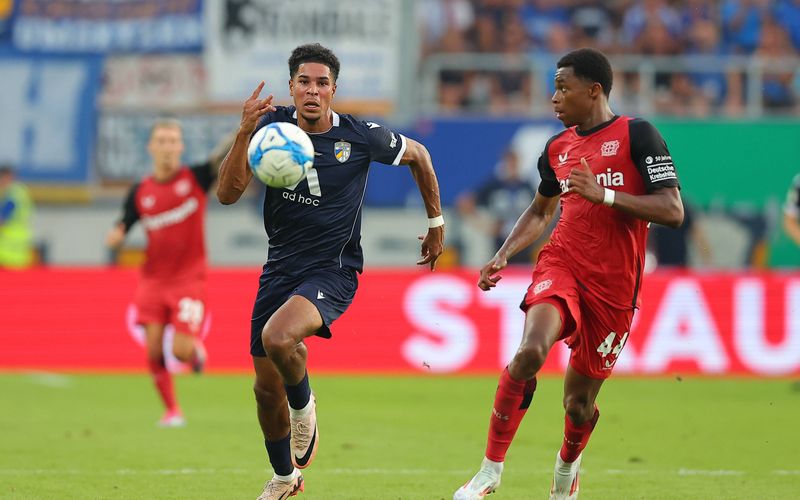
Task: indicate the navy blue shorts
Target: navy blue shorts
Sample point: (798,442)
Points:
(330,290)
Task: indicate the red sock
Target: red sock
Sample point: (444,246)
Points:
(163,381)
(576,436)
(511,401)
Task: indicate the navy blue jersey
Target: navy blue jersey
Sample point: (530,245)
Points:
(317,224)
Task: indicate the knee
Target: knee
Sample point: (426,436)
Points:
(578,408)
(530,357)
(278,346)
(182,353)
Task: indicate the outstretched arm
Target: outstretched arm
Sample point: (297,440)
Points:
(220,151)
(529,227)
(662,206)
(418,159)
(234,176)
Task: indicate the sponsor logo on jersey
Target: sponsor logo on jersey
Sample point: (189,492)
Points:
(148,201)
(172,216)
(609,148)
(182,187)
(563,158)
(606,179)
(342,151)
(320,295)
(610,178)
(393,142)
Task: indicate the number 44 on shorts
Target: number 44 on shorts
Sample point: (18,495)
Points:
(607,347)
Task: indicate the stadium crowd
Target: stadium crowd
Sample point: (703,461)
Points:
(524,31)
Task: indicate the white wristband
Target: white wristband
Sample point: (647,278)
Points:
(435,221)
(608,197)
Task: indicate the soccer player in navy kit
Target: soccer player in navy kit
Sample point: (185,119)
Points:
(314,256)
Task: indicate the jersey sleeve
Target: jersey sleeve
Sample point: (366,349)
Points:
(650,155)
(130,214)
(792,205)
(204,174)
(549,185)
(385,146)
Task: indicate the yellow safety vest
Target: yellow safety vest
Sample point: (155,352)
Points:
(16,233)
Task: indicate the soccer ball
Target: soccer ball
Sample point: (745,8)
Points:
(280,154)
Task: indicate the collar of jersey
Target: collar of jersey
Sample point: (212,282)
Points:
(334,122)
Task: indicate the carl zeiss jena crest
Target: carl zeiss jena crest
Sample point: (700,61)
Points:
(342,151)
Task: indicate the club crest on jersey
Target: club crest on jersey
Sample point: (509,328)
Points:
(342,151)
(148,201)
(609,148)
(182,187)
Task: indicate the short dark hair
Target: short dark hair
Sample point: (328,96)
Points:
(591,65)
(313,52)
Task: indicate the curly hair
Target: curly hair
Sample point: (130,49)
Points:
(313,52)
(591,65)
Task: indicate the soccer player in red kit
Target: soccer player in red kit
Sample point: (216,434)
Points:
(612,175)
(170,203)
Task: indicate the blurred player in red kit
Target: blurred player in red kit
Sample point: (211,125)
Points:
(612,176)
(170,203)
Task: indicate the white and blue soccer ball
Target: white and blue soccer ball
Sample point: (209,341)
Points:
(280,154)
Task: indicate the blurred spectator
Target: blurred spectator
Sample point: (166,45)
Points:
(543,29)
(644,15)
(777,85)
(540,16)
(704,40)
(694,11)
(502,199)
(787,13)
(593,20)
(16,210)
(671,246)
(440,19)
(681,98)
(791,211)
(741,22)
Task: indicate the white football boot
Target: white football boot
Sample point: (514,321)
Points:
(276,489)
(483,483)
(565,479)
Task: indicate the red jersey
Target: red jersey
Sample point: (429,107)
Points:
(173,216)
(605,247)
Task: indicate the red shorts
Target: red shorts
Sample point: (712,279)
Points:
(594,331)
(180,304)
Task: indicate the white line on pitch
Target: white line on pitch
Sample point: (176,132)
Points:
(371,471)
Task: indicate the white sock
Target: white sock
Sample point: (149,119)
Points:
(302,412)
(285,479)
(496,467)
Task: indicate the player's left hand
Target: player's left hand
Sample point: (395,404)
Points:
(583,182)
(432,246)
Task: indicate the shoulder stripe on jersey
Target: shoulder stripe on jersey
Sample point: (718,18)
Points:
(402,150)
(355,219)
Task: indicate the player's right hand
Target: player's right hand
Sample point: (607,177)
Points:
(254,108)
(488,280)
(115,237)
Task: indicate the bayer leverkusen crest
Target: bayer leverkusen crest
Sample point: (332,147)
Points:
(342,151)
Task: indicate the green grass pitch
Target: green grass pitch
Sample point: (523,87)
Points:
(94,437)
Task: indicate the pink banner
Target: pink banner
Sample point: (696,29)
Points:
(410,321)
